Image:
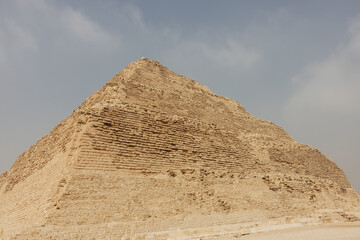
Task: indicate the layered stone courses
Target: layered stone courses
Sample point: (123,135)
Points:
(119,138)
(154,154)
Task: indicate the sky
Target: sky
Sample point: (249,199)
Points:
(295,63)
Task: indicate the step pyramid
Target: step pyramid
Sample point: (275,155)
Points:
(156,155)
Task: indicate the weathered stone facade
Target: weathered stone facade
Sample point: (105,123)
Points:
(154,154)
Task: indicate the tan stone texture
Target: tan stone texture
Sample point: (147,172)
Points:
(156,155)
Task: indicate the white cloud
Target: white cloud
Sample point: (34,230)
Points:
(3,51)
(232,54)
(36,20)
(135,15)
(332,86)
(81,27)
(15,42)
(32,31)
(40,5)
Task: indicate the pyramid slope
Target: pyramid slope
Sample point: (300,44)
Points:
(28,189)
(154,151)
(148,84)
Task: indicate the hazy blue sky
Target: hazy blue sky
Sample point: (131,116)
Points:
(295,63)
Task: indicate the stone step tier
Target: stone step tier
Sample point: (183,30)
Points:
(128,139)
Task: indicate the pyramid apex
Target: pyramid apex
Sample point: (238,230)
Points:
(144,59)
(147,60)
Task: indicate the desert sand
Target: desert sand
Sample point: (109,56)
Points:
(323,232)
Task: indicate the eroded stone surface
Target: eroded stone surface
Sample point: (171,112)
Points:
(154,154)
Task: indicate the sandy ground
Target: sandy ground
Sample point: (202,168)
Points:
(323,232)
